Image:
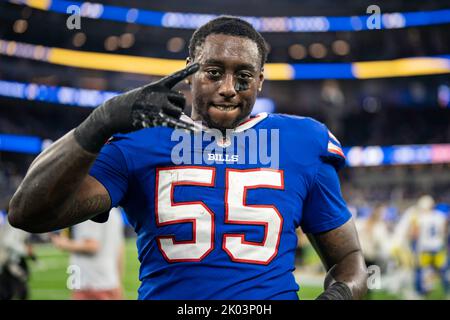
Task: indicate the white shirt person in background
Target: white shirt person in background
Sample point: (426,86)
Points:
(374,237)
(15,250)
(97,252)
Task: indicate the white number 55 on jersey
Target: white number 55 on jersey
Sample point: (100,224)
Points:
(202,218)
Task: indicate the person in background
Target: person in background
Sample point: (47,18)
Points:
(97,251)
(444,208)
(15,249)
(402,248)
(374,236)
(429,233)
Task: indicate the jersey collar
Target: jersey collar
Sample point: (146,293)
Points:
(251,122)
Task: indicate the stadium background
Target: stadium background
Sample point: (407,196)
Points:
(384,92)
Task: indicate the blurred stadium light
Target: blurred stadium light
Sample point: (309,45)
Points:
(356,156)
(82,97)
(262,24)
(397,155)
(53,94)
(415,66)
(20,144)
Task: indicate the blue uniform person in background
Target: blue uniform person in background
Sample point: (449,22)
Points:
(215,198)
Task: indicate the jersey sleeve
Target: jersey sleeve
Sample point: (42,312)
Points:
(333,153)
(111,170)
(324,208)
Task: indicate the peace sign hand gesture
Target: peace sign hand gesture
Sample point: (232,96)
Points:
(155,104)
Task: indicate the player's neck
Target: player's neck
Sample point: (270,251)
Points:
(197,118)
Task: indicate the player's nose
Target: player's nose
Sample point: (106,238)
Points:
(227,87)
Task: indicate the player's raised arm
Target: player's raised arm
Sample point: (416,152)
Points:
(341,255)
(57,190)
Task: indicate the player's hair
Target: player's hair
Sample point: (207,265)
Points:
(227,25)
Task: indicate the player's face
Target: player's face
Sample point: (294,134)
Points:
(224,89)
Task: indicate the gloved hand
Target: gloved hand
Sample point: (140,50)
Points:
(152,105)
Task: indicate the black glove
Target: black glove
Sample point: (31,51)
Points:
(152,105)
(337,291)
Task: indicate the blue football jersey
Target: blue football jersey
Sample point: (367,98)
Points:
(216,218)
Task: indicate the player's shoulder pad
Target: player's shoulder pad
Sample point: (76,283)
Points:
(334,153)
(330,149)
(314,134)
(301,126)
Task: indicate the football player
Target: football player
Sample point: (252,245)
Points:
(429,233)
(215,227)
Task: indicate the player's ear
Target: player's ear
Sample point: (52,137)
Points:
(188,79)
(261,79)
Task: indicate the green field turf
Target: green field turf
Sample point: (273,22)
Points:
(48,276)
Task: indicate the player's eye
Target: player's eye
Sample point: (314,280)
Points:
(213,73)
(245,76)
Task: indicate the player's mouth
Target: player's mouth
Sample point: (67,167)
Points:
(225,107)
(224,115)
